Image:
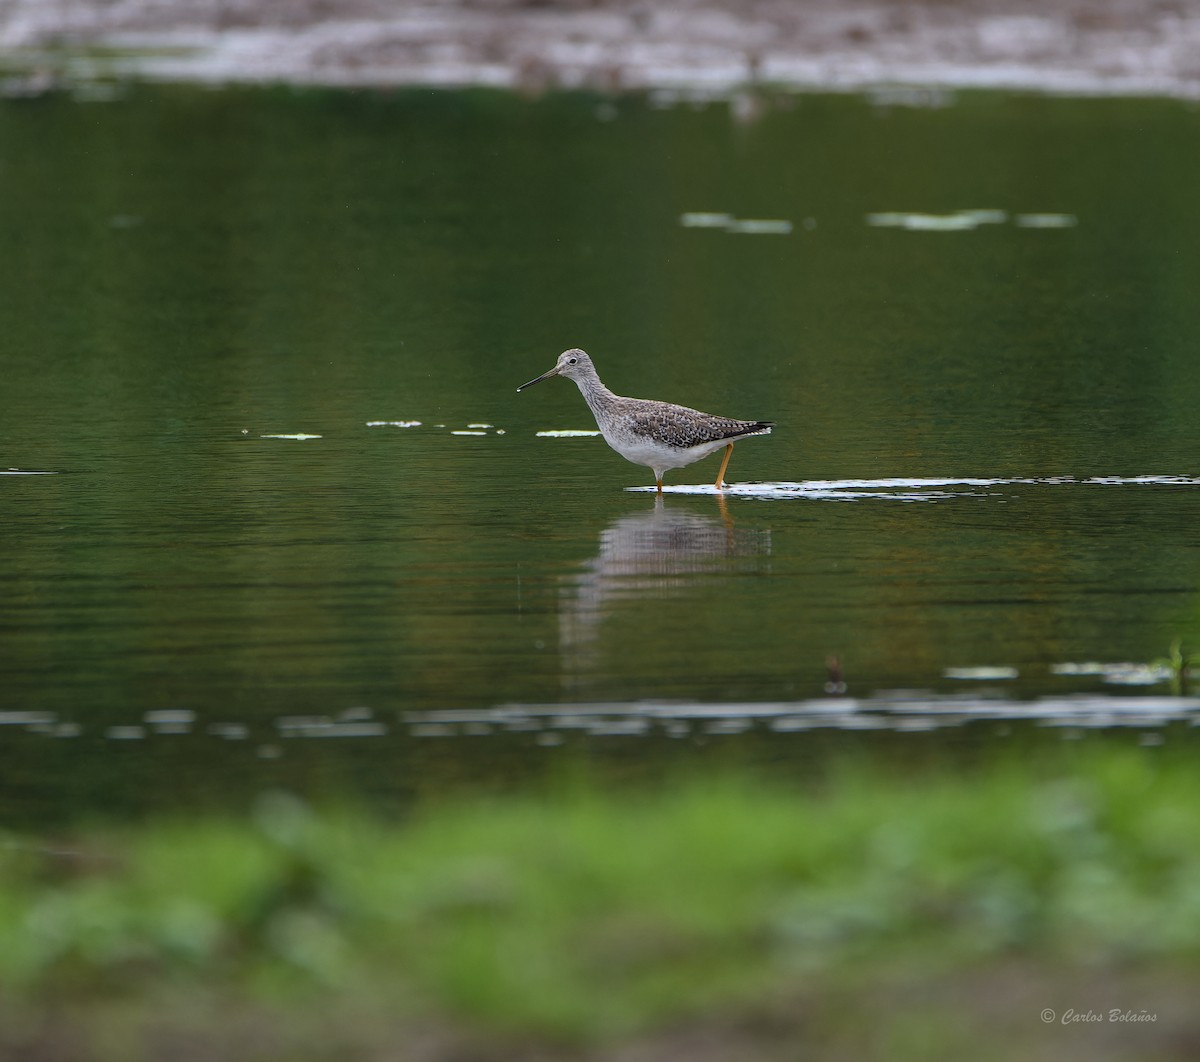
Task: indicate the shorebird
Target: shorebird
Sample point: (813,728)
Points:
(659,435)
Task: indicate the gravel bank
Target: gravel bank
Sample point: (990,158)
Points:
(1146,47)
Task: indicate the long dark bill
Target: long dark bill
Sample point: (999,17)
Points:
(538,379)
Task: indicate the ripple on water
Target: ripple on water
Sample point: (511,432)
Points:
(899,710)
(914,489)
(353,725)
(551,725)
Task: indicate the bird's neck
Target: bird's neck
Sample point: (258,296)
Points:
(598,397)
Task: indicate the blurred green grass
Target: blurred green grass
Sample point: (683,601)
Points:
(582,915)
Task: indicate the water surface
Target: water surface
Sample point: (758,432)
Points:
(265,345)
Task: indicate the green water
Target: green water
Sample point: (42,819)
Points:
(188,271)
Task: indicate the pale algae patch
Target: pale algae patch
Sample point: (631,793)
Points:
(711,219)
(966,220)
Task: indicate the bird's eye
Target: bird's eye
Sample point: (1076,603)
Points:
(572,361)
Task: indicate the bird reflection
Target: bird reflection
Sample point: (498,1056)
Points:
(650,555)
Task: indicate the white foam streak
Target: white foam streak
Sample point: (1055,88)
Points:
(914,489)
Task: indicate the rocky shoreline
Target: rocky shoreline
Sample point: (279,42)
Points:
(1077,47)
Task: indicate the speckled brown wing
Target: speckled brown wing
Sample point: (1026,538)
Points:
(684,427)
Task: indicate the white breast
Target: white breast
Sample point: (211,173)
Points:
(658,456)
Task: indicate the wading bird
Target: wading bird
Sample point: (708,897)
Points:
(659,435)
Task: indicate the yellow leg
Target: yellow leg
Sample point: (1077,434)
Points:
(724,465)
(658,482)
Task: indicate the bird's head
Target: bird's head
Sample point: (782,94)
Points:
(573,364)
